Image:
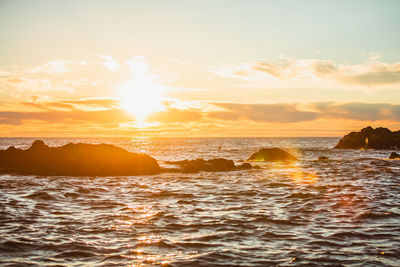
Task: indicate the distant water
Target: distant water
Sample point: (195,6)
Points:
(341,212)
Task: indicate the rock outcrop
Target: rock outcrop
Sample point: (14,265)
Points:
(369,138)
(76,159)
(394,155)
(211,165)
(271,155)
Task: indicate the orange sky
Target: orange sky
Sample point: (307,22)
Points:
(73,69)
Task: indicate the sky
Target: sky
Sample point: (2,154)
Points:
(198,68)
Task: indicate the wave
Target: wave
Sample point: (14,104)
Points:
(347,215)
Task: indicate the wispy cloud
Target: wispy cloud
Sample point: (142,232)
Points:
(59,67)
(107,110)
(298,112)
(174,115)
(110,63)
(359,111)
(58,78)
(280,112)
(302,73)
(99,111)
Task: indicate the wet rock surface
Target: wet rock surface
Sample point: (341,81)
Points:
(271,155)
(211,165)
(370,138)
(76,159)
(394,155)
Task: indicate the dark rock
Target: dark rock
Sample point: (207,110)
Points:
(76,159)
(211,165)
(38,145)
(220,164)
(272,154)
(323,158)
(245,166)
(394,155)
(369,138)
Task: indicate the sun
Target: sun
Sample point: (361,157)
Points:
(142,95)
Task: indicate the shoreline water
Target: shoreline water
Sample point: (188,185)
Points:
(341,211)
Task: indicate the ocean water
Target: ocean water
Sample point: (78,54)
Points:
(340,212)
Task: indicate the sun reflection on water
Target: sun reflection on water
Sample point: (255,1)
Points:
(302,177)
(133,215)
(143,259)
(149,239)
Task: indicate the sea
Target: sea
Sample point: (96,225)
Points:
(344,211)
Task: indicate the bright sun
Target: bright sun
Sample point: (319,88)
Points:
(142,95)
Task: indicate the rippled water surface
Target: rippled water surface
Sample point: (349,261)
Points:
(340,212)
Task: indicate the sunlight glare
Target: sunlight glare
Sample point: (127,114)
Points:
(142,95)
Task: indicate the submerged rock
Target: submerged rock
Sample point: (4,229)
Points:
(369,138)
(76,159)
(272,154)
(245,166)
(394,155)
(211,165)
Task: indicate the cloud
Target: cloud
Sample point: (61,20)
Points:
(102,102)
(137,65)
(303,73)
(72,105)
(173,115)
(40,84)
(104,116)
(58,67)
(374,78)
(60,78)
(15,80)
(67,117)
(93,110)
(105,111)
(300,112)
(324,68)
(110,63)
(281,112)
(359,111)
(99,111)
(4,73)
